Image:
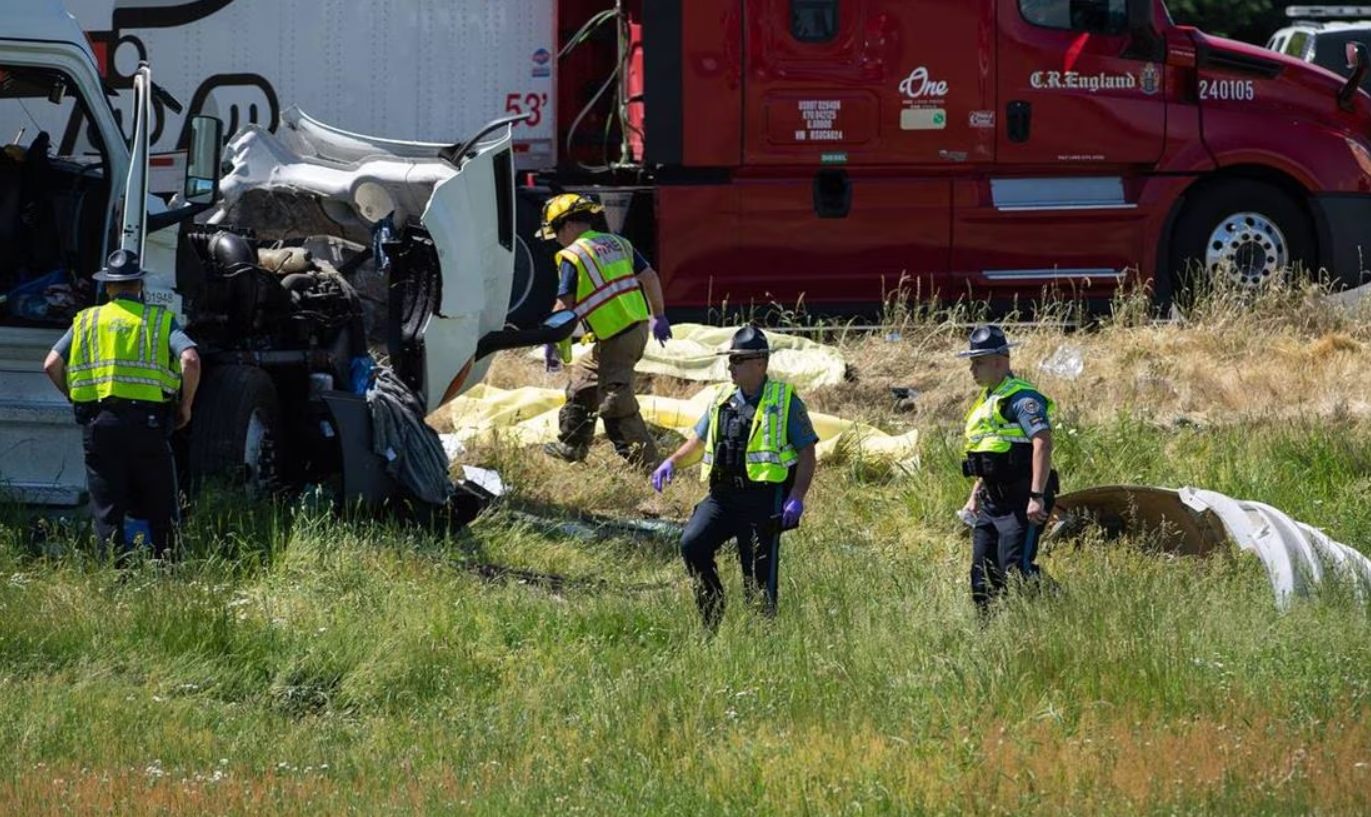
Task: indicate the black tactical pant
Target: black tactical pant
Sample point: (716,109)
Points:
(130,472)
(749,512)
(1004,543)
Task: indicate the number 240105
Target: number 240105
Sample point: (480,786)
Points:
(1237,90)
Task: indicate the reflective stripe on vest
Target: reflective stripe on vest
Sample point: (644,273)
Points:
(608,297)
(986,429)
(122,349)
(769,454)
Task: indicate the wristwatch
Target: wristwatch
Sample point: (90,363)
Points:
(1035,495)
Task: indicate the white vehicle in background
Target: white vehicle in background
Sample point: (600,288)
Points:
(1321,35)
(282,349)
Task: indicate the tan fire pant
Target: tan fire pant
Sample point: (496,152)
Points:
(602,384)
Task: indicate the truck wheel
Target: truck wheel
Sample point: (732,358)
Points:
(1241,233)
(233,430)
(535,273)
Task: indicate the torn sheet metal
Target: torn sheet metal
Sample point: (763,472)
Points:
(1194,521)
(312,170)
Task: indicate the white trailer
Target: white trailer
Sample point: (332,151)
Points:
(421,70)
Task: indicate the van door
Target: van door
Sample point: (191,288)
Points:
(1076,89)
(470,218)
(55,195)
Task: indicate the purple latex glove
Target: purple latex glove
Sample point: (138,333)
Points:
(552,359)
(790,513)
(663,475)
(661,328)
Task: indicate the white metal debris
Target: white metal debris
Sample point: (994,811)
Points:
(358,179)
(1297,557)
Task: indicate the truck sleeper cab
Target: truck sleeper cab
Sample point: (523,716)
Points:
(826,150)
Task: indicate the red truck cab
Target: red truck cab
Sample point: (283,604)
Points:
(825,151)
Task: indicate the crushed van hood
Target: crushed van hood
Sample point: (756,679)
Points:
(452,259)
(1192,521)
(313,170)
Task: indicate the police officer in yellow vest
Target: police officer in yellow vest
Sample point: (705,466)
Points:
(131,374)
(611,287)
(1009,453)
(758,446)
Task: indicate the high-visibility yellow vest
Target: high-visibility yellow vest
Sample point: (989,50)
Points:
(608,296)
(769,455)
(987,431)
(122,349)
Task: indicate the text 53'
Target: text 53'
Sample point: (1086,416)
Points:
(533,103)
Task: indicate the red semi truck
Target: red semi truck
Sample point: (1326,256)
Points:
(825,148)
(773,151)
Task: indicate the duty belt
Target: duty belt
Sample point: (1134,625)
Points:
(1006,466)
(736,483)
(124,404)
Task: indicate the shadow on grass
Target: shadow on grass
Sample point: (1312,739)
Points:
(554,582)
(558,523)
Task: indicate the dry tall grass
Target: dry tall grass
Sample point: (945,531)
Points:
(1287,354)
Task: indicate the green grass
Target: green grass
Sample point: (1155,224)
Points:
(302,664)
(298,662)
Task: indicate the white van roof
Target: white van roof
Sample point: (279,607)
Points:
(41,20)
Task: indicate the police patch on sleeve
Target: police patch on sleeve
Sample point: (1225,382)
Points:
(803,426)
(1031,413)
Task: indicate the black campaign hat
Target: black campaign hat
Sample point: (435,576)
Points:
(748,342)
(122,265)
(985,341)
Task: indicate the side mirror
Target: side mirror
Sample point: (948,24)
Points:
(555,328)
(203,160)
(1359,62)
(202,174)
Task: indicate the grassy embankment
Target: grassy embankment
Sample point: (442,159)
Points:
(301,664)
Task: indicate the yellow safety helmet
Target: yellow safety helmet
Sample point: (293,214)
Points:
(560,208)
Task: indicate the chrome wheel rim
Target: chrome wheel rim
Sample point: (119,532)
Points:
(1246,249)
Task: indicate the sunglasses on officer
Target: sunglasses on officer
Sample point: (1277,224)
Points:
(738,360)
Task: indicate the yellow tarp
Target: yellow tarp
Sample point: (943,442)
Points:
(528,416)
(692,354)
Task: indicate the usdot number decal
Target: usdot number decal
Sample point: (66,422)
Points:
(1238,90)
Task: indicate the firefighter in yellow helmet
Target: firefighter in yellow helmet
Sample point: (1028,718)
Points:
(618,297)
(131,375)
(1009,454)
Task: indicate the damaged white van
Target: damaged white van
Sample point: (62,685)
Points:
(284,353)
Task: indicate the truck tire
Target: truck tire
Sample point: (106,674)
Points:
(1245,231)
(234,428)
(535,273)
